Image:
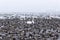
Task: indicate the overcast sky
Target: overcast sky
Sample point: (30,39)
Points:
(29,5)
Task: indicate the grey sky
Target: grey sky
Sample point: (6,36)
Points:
(29,5)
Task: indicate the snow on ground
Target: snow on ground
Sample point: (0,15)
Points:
(29,15)
(1,17)
(55,17)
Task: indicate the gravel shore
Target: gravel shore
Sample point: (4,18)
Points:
(37,29)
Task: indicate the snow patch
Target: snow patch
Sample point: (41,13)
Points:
(30,22)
